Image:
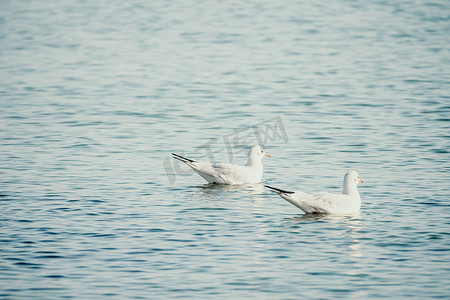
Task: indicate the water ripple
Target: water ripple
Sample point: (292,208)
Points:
(95,97)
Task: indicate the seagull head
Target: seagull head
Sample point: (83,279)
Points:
(352,177)
(257,151)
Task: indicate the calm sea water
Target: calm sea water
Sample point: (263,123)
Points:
(96,94)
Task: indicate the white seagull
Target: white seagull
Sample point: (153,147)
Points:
(227,173)
(347,203)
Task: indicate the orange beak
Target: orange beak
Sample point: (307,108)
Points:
(266,155)
(361,181)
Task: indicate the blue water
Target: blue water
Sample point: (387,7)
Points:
(96,94)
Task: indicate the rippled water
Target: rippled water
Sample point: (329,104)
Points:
(95,96)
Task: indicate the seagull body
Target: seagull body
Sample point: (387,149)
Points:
(349,202)
(223,173)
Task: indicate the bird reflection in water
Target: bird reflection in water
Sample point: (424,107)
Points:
(352,225)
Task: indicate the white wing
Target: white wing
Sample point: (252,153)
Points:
(322,202)
(222,173)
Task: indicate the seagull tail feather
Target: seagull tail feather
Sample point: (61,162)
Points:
(181,158)
(279,191)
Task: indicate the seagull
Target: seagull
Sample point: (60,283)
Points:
(227,173)
(347,203)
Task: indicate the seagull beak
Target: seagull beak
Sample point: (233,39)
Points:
(266,155)
(361,181)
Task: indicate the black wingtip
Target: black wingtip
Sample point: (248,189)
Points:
(182,158)
(279,190)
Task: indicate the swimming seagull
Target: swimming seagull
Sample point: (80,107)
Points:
(347,203)
(227,173)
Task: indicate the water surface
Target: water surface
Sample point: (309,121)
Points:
(95,96)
